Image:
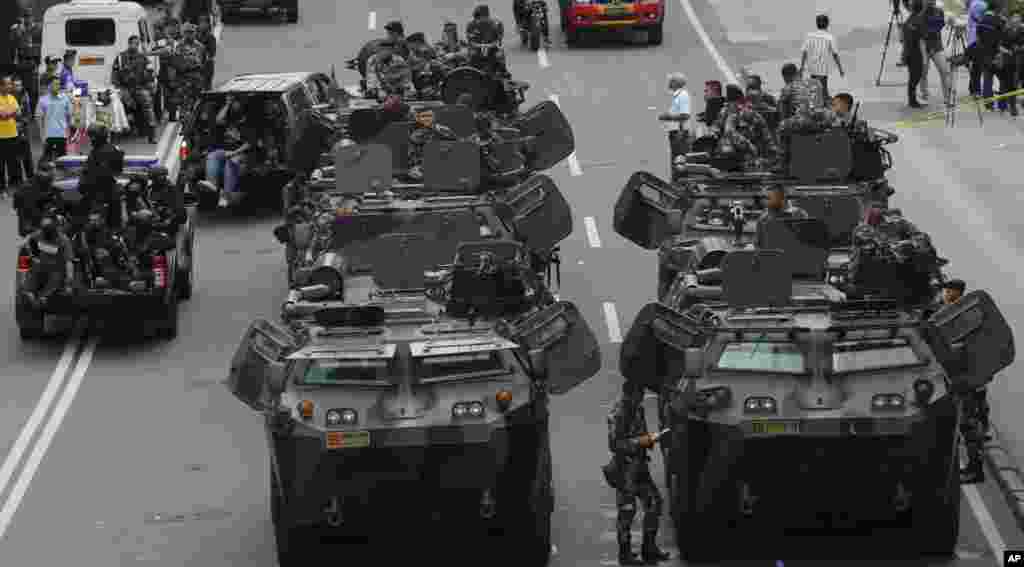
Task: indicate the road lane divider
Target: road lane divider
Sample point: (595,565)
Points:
(611,320)
(574,162)
(28,431)
(592,237)
(1007,474)
(371,23)
(977,505)
(28,472)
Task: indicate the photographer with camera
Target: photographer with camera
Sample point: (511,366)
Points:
(934,51)
(914,32)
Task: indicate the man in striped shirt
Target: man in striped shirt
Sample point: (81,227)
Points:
(818,52)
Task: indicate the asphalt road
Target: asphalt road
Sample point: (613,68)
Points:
(144,457)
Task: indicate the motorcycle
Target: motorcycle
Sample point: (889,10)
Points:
(534,25)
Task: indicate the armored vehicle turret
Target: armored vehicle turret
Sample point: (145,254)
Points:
(797,409)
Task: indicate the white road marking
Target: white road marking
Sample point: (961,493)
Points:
(719,60)
(592,237)
(43,444)
(372,24)
(612,320)
(988,525)
(981,513)
(28,432)
(542,58)
(574,163)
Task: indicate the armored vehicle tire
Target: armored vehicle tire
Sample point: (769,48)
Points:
(31,322)
(527,526)
(183,279)
(655,34)
(285,535)
(168,324)
(938,525)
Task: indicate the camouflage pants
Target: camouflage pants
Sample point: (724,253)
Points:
(187,89)
(142,99)
(640,486)
(974,422)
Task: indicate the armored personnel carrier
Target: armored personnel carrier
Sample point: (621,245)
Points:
(411,371)
(371,185)
(695,223)
(798,409)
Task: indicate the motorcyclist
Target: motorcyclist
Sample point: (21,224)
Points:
(34,197)
(53,266)
(522,11)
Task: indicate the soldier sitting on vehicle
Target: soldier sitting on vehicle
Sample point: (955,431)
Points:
(98,184)
(743,133)
(53,266)
(167,199)
(801,110)
(390,74)
(424,132)
(34,197)
(776,207)
(134,78)
(105,253)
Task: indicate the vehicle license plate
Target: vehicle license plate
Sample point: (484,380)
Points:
(774,427)
(348,439)
(616,11)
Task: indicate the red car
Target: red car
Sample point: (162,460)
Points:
(580,15)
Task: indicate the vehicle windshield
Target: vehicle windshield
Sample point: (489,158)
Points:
(775,357)
(859,356)
(90,32)
(326,372)
(456,366)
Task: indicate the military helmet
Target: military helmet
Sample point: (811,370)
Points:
(482,11)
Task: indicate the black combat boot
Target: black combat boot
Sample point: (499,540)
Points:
(626,555)
(649,550)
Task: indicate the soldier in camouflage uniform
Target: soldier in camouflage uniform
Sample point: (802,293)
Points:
(190,55)
(390,74)
(166,47)
(135,79)
(209,42)
(801,109)
(629,441)
(425,131)
(742,131)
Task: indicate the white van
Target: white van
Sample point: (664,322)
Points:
(98,30)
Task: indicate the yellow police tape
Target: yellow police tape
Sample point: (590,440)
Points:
(929,116)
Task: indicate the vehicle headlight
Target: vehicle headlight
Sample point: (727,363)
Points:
(760,404)
(336,417)
(888,402)
(467,409)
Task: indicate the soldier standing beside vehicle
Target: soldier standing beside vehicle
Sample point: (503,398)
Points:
(974,422)
(166,47)
(191,56)
(134,77)
(777,207)
(677,116)
(629,441)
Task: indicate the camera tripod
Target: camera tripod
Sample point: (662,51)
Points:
(957,45)
(896,19)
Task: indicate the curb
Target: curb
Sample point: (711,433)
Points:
(1008,475)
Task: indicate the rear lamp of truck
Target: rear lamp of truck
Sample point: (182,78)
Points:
(24,263)
(160,271)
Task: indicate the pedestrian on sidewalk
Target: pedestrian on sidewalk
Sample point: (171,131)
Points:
(991,31)
(678,114)
(54,115)
(913,47)
(818,53)
(975,12)
(10,174)
(24,121)
(934,52)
